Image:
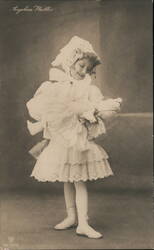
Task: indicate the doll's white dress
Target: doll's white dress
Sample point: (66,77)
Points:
(71,154)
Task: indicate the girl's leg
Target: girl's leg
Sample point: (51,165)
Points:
(82,210)
(71,219)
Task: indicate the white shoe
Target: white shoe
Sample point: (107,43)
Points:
(69,221)
(66,223)
(88,231)
(82,209)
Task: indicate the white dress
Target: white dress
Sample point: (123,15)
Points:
(70,154)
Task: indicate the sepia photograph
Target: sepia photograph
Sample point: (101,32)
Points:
(76,137)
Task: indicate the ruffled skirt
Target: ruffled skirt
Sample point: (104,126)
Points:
(57,162)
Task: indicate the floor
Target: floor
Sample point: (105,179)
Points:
(124,218)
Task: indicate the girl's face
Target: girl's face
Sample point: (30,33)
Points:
(80,68)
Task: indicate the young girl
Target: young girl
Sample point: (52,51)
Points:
(71,112)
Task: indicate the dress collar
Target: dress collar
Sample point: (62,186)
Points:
(56,74)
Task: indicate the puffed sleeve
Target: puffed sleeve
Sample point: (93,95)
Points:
(106,108)
(95,96)
(36,104)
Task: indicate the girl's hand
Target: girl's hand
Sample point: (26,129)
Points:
(107,114)
(118,100)
(110,105)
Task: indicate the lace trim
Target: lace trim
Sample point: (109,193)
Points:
(70,174)
(75,178)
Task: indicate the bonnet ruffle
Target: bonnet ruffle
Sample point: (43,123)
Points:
(73,51)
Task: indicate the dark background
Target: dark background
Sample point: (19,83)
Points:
(121,33)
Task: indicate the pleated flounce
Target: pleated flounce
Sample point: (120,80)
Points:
(60,163)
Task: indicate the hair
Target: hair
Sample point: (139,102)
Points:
(94,60)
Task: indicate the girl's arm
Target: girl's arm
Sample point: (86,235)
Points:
(36,104)
(35,108)
(105,108)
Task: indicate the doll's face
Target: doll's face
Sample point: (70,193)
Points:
(80,68)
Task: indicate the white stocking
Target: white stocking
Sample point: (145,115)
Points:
(69,194)
(82,210)
(81,202)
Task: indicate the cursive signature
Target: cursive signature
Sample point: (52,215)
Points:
(35,8)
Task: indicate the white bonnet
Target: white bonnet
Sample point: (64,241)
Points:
(73,51)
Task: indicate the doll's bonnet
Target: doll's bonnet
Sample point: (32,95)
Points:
(75,49)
